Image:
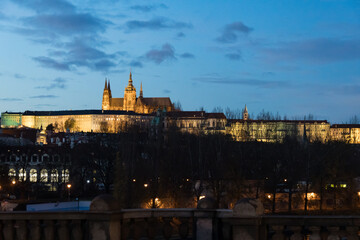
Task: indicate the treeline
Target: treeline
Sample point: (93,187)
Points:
(174,169)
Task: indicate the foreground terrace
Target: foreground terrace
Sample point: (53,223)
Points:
(103,221)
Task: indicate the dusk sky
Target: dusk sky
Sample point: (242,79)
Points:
(294,57)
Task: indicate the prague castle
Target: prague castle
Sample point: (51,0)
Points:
(132,103)
(117,113)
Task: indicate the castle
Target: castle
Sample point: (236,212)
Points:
(132,103)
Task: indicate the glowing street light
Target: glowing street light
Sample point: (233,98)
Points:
(68,187)
(146,185)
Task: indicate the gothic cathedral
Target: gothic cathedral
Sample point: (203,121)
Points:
(132,103)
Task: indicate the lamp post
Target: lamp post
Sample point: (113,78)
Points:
(68,187)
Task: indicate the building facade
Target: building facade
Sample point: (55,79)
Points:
(130,102)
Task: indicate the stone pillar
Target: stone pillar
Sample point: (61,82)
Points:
(204,222)
(102,230)
(247,207)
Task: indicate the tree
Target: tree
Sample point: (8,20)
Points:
(70,124)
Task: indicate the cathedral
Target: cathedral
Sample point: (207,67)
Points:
(130,102)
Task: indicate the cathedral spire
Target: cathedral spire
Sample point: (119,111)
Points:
(109,88)
(130,78)
(141,91)
(105,84)
(245,113)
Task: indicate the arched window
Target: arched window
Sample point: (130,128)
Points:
(22,175)
(43,175)
(65,176)
(33,175)
(54,177)
(12,173)
(45,158)
(34,158)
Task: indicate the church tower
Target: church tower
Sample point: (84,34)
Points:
(130,96)
(245,114)
(106,96)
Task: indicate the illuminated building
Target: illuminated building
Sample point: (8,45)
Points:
(132,103)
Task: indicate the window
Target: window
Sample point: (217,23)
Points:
(45,158)
(22,175)
(12,173)
(33,175)
(43,175)
(54,177)
(65,175)
(34,158)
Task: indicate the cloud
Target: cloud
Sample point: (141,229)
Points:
(19,76)
(231,31)
(187,55)
(319,50)
(156,24)
(65,24)
(135,63)
(180,35)
(147,8)
(59,83)
(11,99)
(243,81)
(79,53)
(51,63)
(166,91)
(233,56)
(44,96)
(167,52)
(46,6)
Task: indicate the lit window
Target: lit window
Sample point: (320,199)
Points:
(22,175)
(54,177)
(65,175)
(12,173)
(33,175)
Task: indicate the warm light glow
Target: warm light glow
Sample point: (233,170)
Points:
(68,186)
(311,195)
(285,180)
(134,180)
(88,181)
(268,196)
(201,197)
(13,182)
(146,185)
(359,194)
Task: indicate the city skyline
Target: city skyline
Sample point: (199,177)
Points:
(291,57)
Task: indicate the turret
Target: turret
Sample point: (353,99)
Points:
(106,96)
(130,96)
(141,91)
(245,114)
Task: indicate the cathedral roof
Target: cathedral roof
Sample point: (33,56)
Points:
(158,101)
(118,102)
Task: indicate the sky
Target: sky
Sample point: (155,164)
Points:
(292,57)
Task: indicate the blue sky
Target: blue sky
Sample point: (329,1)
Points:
(294,57)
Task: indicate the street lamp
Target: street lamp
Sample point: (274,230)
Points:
(68,187)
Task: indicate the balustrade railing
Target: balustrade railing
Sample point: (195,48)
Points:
(200,224)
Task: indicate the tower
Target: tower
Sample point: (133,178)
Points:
(141,91)
(130,96)
(106,96)
(245,114)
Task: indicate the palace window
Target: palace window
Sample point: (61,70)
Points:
(12,173)
(43,175)
(65,176)
(33,175)
(22,174)
(54,177)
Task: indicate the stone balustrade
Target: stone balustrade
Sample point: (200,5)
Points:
(102,222)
